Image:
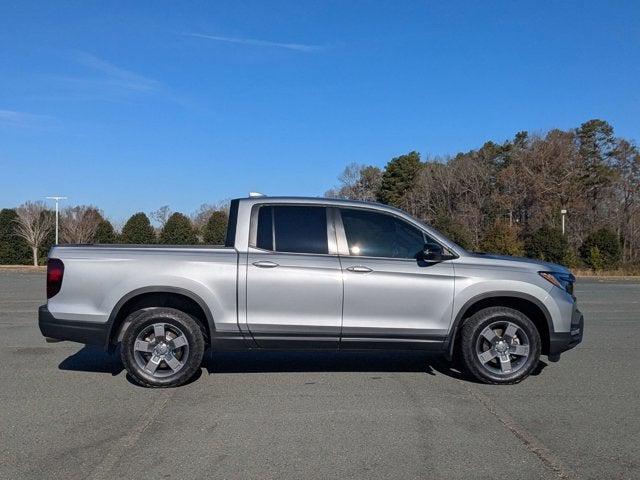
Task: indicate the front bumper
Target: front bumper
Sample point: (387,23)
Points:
(563,341)
(82,332)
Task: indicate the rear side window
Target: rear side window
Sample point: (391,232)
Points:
(375,234)
(265,228)
(230,239)
(292,229)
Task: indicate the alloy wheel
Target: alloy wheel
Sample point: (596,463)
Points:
(161,349)
(502,348)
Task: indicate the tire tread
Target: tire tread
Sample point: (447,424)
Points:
(469,335)
(186,321)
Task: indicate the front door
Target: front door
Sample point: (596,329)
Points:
(294,282)
(391,297)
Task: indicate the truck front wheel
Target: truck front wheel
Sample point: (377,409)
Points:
(162,347)
(500,345)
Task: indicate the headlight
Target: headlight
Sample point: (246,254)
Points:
(561,280)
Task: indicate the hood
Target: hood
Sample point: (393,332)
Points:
(508,261)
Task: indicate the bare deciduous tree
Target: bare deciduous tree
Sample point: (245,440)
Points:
(357,182)
(33,224)
(79,224)
(201,216)
(161,215)
(626,160)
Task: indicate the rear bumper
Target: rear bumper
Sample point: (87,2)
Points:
(561,342)
(82,332)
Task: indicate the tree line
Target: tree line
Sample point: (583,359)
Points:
(507,198)
(27,232)
(501,198)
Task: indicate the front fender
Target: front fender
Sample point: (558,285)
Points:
(470,291)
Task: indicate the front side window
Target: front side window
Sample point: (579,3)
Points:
(374,234)
(291,228)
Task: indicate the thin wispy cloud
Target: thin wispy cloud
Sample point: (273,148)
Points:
(13,118)
(117,76)
(101,80)
(298,47)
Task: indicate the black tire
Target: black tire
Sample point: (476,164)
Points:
(159,351)
(512,332)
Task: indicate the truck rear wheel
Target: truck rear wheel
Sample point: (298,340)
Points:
(162,347)
(500,345)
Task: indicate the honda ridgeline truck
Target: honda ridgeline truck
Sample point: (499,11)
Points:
(309,273)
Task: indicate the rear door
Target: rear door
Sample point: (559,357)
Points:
(294,279)
(391,297)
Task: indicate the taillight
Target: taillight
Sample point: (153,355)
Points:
(55,272)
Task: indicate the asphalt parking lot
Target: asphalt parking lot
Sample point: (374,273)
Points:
(68,411)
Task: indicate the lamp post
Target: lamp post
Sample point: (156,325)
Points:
(563,212)
(57,199)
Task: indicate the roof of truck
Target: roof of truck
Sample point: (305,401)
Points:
(253,200)
(322,200)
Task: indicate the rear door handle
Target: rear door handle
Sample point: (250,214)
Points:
(359,269)
(265,264)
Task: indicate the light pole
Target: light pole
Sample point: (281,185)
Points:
(563,212)
(57,199)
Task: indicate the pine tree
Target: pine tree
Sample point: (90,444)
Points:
(178,231)
(601,246)
(453,230)
(548,243)
(105,233)
(138,230)
(503,239)
(398,178)
(597,145)
(13,249)
(215,230)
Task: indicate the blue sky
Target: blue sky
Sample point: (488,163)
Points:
(133,105)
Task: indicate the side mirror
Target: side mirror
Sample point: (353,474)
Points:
(432,252)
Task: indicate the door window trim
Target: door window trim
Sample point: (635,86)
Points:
(343,244)
(253,228)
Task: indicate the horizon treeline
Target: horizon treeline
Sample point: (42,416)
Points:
(507,198)
(501,198)
(27,232)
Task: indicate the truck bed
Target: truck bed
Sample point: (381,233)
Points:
(97,277)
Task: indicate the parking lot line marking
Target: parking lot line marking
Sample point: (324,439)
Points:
(103,469)
(535,446)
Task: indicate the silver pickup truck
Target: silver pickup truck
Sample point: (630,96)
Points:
(309,273)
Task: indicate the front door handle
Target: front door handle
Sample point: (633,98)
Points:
(265,264)
(359,269)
